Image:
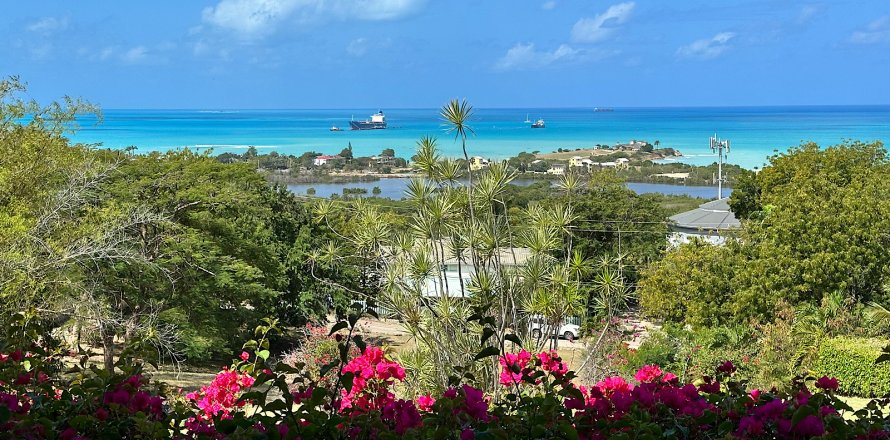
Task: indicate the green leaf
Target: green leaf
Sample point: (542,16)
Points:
(486,333)
(512,337)
(263,354)
(337,327)
(275,405)
(568,431)
(802,412)
(487,352)
(346,379)
(360,343)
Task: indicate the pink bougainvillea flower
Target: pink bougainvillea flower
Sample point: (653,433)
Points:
(810,426)
(727,368)
(755,394)
(425,402)
(550,361)
(513,365)
(613,383)
(245,356)
(647,373)
(827,383)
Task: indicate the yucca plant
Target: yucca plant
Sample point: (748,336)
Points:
(507,270)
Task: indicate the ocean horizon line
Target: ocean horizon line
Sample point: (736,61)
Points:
(611,108)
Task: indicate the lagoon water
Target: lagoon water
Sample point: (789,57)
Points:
(755,132)
(394,188)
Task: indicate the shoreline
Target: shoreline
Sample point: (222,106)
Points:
(344,180)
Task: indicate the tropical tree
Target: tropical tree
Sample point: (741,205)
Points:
(503,272)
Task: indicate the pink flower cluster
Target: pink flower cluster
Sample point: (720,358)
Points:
(551,362)
(221,396)
(513,365)
(474,405)
(373,374)
(373,377)
(516,368)
(128,397)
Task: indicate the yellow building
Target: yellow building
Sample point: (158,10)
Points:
(477,163)
(576,161)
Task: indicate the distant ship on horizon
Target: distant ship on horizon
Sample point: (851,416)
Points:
(377,122)
(603,109)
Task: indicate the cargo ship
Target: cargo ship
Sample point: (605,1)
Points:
(377,122)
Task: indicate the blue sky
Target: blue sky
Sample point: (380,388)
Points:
(419,53)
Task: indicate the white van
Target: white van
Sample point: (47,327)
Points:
(538,327)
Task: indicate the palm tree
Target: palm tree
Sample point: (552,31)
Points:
(456,115)
(467,226)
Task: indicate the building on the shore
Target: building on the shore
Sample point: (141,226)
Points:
(633,145)
(477,163)
(712,222)
(557,169)
(581,162)
(620,163)
(324,160)
(383,161)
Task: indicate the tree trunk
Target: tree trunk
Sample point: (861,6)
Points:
(108,348)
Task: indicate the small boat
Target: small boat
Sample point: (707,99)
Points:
(538,124)
(336,128)
(527,120)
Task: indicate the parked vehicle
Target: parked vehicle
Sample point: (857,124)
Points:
(538,326)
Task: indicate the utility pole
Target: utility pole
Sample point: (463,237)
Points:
(718,146)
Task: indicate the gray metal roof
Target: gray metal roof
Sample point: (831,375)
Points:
(713,215)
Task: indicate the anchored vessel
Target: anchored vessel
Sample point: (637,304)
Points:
(538,124)
(377,122)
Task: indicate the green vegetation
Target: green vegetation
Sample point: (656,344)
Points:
(819,227)
(176,253)
(176,256)
(852,362)
(810,267)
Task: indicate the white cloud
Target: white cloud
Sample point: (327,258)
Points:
(591,30)
(807,13)
(548,5)
(48,25)
(358,47)
(255,18)
(707,48)
(524,56)
(877,31)
(136,55)
(361,46)
(105,53)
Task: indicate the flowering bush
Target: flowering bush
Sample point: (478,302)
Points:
(538,397)
(318,349)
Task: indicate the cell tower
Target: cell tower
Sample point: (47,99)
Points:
(721,147)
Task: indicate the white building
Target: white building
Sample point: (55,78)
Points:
(324,160)
(478,163)
(453,272)
(557,169)
(712,222)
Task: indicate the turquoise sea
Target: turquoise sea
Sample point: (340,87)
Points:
(755,132)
